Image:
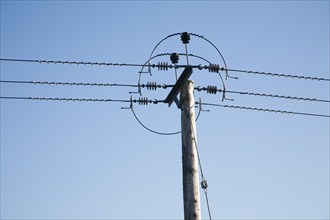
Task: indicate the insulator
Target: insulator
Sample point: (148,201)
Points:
(174,58)
(204,184)
(143,101)
(162,66)
(185,37)
(151,85)
(212,89)
(214,68)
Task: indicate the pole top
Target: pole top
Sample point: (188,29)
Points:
(172,96)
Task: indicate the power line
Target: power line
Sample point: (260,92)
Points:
(161,65)
(146,101)
(70,62)
(279,96)
(154,86)
(63,99)
(264,110)
(203,182)
(165,66)
(213,90)
(148,85)
(140,101)
(278,75)
(67,83)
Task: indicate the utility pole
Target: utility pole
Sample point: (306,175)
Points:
(184,86)
(191,197)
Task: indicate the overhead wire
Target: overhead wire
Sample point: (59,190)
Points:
(63,99)
(214,90)
(148,85)
(279,96)
(70,62)
(264,110)
(278,75)
(154,85)
(68,83)
(145,101)
(141,101)
(209,89)
(203,182)
(168,66)
(159,65)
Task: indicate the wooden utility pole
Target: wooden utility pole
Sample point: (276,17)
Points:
(191,197)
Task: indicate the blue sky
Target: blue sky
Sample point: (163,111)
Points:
(72,160)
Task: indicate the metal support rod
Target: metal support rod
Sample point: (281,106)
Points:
(191,196)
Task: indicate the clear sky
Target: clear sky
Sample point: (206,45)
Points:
(76,160)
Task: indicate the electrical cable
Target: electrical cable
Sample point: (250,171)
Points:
(279,96)
(68,62)
(67,83)
(214,90)
(145,101)
(265,110)
(148,85)
(207,203)
(140,101)
(159,66)
(168,66)
(277,74)
(203,182)
(63,99)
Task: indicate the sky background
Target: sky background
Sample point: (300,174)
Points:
(75,160)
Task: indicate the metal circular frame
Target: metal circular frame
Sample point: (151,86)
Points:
(151,57)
